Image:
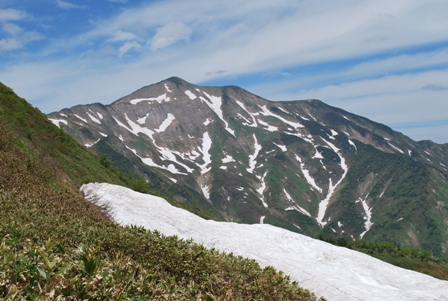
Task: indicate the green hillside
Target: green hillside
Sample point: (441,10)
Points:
(56,245)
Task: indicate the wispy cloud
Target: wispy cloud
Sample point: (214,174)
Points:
(364,56)
(68,5)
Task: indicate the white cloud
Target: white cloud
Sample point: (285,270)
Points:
(10,14)
(68,5)
(170,34)
(121,35)
(352,54)
(128,46)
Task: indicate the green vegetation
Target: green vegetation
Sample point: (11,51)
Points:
(55,245)
(408,257)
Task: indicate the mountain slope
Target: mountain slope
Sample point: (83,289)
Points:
(301,165)
(338,273)
(54,245)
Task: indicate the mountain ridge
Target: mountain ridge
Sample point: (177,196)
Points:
(302,165)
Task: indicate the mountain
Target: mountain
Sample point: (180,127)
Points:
(335,272)
(55,245)
(227,154)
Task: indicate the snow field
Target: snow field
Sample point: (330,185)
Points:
(333,272)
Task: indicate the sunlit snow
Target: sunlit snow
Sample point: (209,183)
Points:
(324,203)
(57,122)
(215,102)
(159,99)
(166,123)
(336,273)
(254,156)
(190,95)
(94,119)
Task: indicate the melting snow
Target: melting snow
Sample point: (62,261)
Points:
(57,122)
(94,119)
(254,120)
(215,104)
(270,128)
(353,144)
(262,219)
(143,119)
(307,175)
(166,123)
(252,158)
(396,148)
(266,112)
(295,206)
(206,145)
(228,159)
(159,99)
(324,203)
(330,271)
(80,118)
(262,188)
(190,95)
(282,147)
(368,215)
(167,88)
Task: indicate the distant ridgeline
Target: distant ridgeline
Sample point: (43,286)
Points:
(302,165)
(56,245)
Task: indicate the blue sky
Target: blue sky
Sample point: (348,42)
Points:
(385,60)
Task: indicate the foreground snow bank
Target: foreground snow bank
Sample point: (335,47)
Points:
(333,272)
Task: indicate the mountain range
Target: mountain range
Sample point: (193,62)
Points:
(227,154)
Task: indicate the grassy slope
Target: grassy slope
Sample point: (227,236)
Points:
(54,244)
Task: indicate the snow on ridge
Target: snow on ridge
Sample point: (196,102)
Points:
(396,148)
(190,95)
(262,188)
(167,88)
(253,157)
(148,161)
(368,215)
(353,144)
(57,122)
(295,206)
(323,205)
(142,120)
(282,147)
(166,123)
(90,145)
(330,271)
(270,128)
(254,120)
(159,99)
(215,103)
(206,145)
(94,119)
(266,112)
(80,118)
(307,175)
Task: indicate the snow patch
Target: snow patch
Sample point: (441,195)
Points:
(57,122)
(228,159)
(94,119)
(396,148)
(295,206)
(330,271)
(262,219)
(282,147)
(266,112)
(215,102)
(353,144)
(367,217)
(166,123)
(159,99)
(167,88)
(262,188)
(306,174)
(323,205)
(269,128)
(80,118)
(207,122)
(206,145)
(190,95)
(252,158)
(142,120)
